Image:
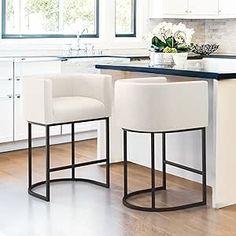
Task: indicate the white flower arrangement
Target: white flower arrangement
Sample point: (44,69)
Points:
(170,38)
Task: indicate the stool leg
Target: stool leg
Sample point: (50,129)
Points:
(30,154)
(164,161)
(125,163)
(204,185)
(107,153)
(73,151)
(48,163)
(153,169)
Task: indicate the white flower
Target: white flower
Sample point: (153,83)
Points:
(182,34)
(163,30)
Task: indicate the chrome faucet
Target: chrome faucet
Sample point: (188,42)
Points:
(79,36)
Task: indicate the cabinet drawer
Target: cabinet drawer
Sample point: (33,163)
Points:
(6,87)
(6,69)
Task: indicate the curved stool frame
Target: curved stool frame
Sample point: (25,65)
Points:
(165,162)
(32,186)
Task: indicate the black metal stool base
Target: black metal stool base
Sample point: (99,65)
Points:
(154,189)
(156,209)
(72,167)
(41,183)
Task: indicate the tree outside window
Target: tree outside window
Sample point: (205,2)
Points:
(65,17)
(125,17)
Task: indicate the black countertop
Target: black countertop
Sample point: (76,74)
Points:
(209,68)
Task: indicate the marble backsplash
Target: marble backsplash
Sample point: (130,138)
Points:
(222,32)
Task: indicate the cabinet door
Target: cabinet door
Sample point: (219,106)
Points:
(174,7)
(227,8)
(24,68)
(6,101)
(6,119)
(203,7)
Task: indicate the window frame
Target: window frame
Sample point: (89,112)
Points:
(38,36)
(134,23)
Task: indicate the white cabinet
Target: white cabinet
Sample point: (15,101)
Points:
(6,119)
(6,101)
(25,68)
(173,7)
(186,9)
(203,7)
(227,8)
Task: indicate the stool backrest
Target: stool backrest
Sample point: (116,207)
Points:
(38,92)
(156,107)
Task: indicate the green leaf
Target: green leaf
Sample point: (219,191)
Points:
(157,43)
(183,48)
(170,42)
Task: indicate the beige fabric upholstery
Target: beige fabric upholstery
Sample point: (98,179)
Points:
(58,98)
(155,105)
(77,108)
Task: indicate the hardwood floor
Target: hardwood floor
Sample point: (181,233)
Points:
(82,209)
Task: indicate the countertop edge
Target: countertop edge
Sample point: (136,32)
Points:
(169,71)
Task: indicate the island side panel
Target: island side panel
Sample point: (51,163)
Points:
(225,187)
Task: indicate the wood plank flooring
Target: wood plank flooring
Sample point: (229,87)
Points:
(83,209)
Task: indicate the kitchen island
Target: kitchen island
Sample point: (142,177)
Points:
(221,132)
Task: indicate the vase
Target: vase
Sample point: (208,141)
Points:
(159,58)
(180,58)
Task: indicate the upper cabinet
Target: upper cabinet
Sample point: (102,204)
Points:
(203,7)
(227,8)
(172,7)
(192,9)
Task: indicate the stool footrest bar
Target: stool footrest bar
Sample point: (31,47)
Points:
(183,167)
(77,165)
(38,184)
(156,209)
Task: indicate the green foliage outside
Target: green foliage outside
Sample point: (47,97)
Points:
(10,9)
(123,16)
(48,8)
(82,9)
(73,11)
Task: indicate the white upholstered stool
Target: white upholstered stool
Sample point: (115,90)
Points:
(57,99)
(151,105)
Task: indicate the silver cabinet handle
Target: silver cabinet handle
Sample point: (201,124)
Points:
(6,97)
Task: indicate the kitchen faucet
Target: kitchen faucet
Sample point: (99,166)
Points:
(79,36)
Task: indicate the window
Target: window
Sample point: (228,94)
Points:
(49,18)
(125,18)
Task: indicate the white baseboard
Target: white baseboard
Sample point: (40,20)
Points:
(19,145)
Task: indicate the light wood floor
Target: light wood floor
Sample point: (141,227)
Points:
(82,209)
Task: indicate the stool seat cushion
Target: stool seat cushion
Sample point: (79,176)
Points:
(67,109)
